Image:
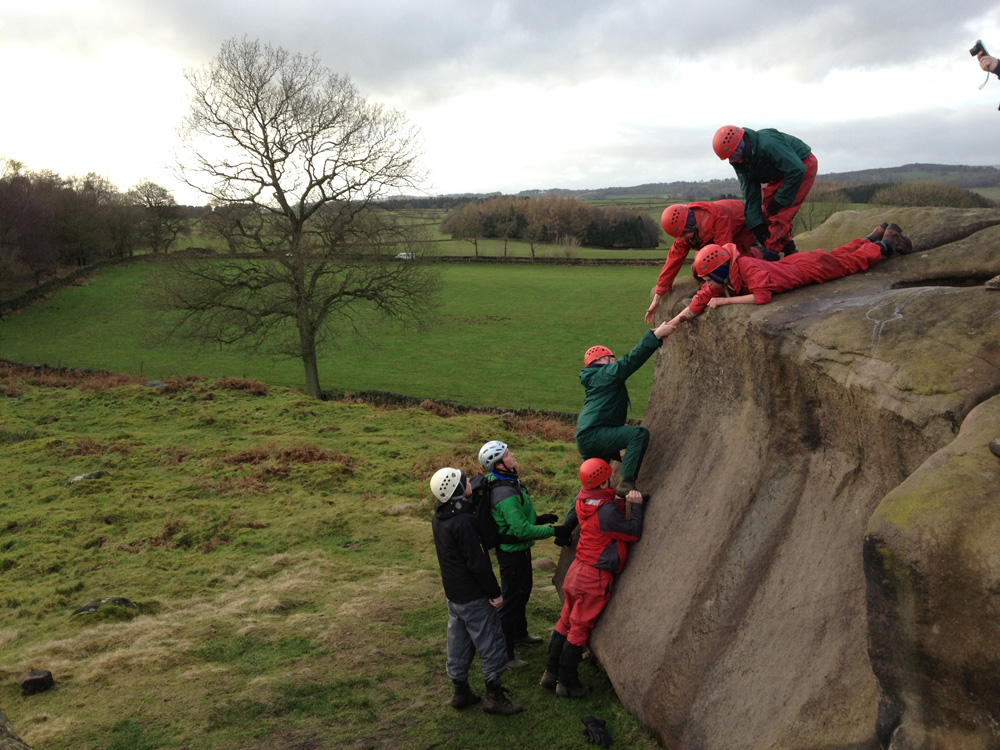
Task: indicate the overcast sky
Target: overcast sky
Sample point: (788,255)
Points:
(522,94)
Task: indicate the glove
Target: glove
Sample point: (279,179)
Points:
(761,233)
(563,535)
(594,731)
(546,518)
(773,207)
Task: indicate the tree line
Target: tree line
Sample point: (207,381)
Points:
(550,220)
(48,221)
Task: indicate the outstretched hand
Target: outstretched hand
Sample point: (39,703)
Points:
(653,307)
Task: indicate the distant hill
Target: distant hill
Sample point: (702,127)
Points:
(971,178)
(952,174)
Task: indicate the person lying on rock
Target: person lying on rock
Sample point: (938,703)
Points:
(732,278)
(693,226)
(605,532)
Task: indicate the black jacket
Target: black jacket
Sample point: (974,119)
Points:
(466,571)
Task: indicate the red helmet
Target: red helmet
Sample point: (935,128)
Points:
(593,472)
(674,219)
(711,257)
(596,352)
(727,138)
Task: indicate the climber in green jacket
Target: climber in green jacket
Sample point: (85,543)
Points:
(601,431)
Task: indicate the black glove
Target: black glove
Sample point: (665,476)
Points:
(594,731)
(773,207)
(546,518)
(761,233)
(563,535)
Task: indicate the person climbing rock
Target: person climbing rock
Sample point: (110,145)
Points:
(601,551)
(601,431)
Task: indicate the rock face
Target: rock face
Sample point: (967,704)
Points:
(741,619)
(8,737)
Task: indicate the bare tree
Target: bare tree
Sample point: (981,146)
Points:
(280,134)
(161,220)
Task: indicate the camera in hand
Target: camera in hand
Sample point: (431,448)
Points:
(978,48)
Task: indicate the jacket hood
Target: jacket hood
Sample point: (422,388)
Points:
(588,501)
(452,507)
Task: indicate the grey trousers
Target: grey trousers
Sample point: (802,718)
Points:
(475,626)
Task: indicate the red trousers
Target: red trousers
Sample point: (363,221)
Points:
(586,591)
(779,225)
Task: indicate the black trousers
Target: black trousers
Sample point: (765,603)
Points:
(515,587)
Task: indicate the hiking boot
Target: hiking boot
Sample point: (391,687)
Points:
(789,248)
(876,234)
(548,681)
(896,242)
(498,702)
(576,691)
(515,663)
(568,680)
(529,640)
(993,283)
(463,696)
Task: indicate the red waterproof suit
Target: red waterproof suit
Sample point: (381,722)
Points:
(762,278)
(600,553)
(719,222)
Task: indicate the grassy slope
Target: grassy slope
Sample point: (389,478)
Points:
(280,552)
(504,336)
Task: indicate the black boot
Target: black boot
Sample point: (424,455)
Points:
(789,248)
(551,675)
(463,695)
(498,702)
(568,685)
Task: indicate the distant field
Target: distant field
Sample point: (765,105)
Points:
(510,337)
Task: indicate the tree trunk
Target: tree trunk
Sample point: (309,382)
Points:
(312,374)
(8,737)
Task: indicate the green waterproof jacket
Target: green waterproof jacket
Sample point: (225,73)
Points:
(770,156)
(606,401)
(515,513)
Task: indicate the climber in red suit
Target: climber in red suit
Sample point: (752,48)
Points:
(605,532)
(734,279)
(693,226)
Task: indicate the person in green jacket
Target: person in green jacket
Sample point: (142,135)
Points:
(601,431)
(519,527)
(776,172)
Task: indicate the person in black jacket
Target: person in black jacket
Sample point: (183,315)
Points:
(471,593)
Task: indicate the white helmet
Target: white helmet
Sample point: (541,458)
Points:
(445,482)
(491,453)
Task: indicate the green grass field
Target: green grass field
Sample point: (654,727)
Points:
(279,553)
(505,336)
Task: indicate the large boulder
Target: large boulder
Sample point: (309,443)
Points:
(8,737)
(932,555)
(740,621)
